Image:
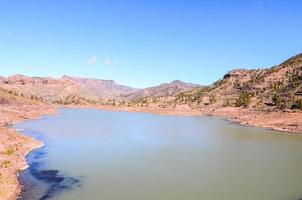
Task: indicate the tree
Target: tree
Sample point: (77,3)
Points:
(244,99)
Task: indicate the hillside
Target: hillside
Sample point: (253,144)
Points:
(100,88)
(275,88)
(74,90)
(166,89)
(13,146)
(54,90)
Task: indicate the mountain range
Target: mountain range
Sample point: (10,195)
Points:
(53,90)
(275,88)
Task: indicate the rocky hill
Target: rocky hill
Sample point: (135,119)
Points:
(275,88)
(166,89)
(101,88)
(74,90)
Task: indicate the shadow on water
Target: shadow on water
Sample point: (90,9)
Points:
(39,183)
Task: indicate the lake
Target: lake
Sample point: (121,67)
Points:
(93,154)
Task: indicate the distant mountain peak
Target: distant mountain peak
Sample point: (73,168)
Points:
(165,89)
(74,78)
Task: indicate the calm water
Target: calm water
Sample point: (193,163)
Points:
(96,155)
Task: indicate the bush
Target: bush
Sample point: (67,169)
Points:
(10,151)
(5,164)
(297,104)
(34,97)
(13,93)
(212,99)
(244,99)
(277,100)
(227,103)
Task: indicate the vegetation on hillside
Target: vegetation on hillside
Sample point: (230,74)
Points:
(278,87)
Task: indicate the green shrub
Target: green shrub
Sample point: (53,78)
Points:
(5,164)
(244,99)
(10,151)
(277,100)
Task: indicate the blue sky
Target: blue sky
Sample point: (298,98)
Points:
(144,43)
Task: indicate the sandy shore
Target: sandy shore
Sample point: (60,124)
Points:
(14,146)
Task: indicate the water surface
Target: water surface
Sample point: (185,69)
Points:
(92,154)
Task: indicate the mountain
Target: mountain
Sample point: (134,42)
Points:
(278,87)
(50,89)
(101,88)
(275,88)
(165,89)
(70,90)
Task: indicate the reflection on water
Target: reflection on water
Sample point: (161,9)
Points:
(91,154)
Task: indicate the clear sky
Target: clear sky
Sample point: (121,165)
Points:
(146,42)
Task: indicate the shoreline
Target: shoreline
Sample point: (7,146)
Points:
(290,122)
(14,146)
